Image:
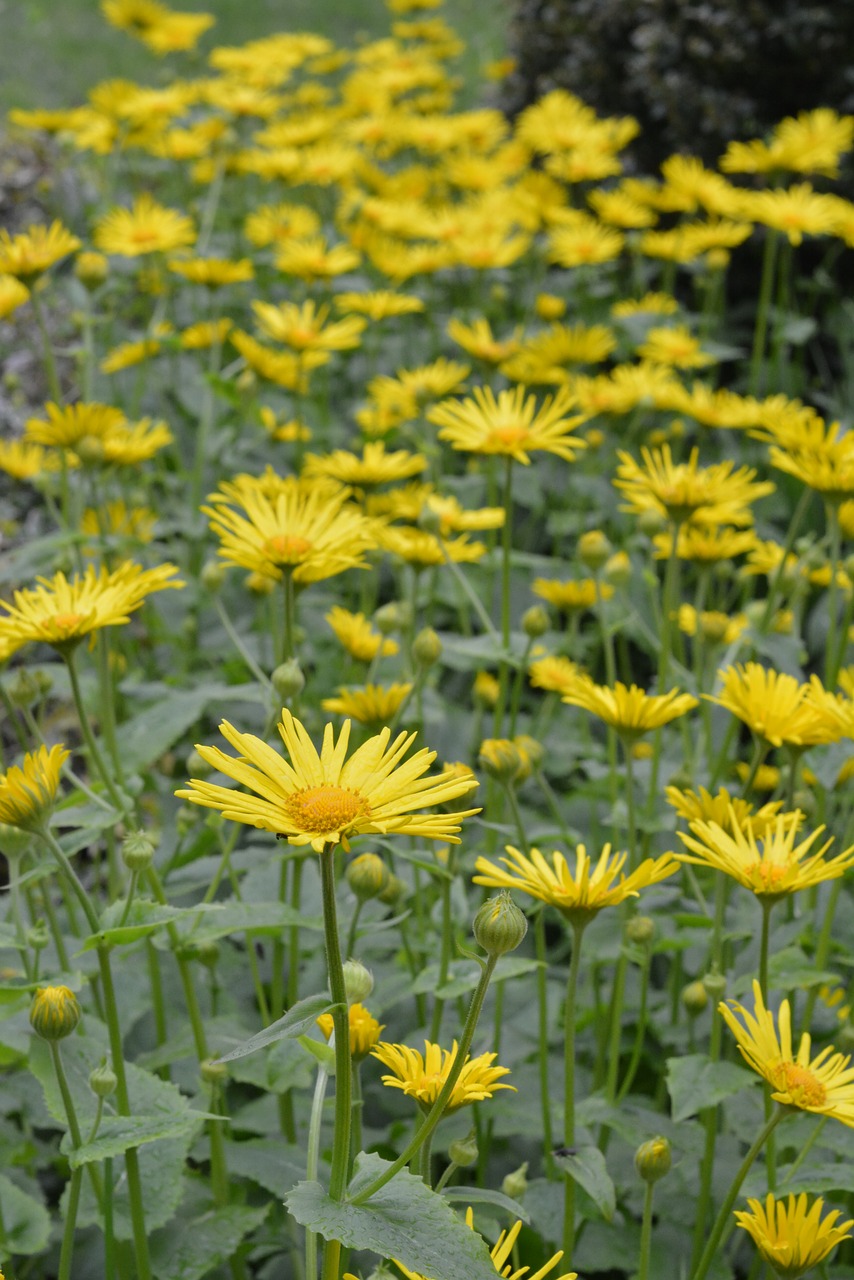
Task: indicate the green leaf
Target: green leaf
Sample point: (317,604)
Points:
(26,1222)
(586,1166)
(404,1220)
(231,916)
(118,1133)
(268,1161)
(144,918)
(323,1053)
(297,1020)
(482,1195)
(463,976)
(153,731)
(204,1242)
(695,1082)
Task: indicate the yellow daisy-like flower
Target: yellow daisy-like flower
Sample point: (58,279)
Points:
(117,519)
(771,865)
(380,304)
(823,459)
(205,334)
(823,1085)
(685,491)
(478,340)
(791,1235)
(305,328)
(714,626)
(285,368)
(62,612)
(25,461)
(313,259)
(584,242)
(663,304)
(423,549)
(275,223)
(27,791)
(422,1078)
(318,799)
(374,704)
(572,596)
(364,1030)
(176,32)
(500,1253)
(429,381)
(702,806)
(510,425)
(675,346)
(554,673)
(797,211)
(128,354)
(147,227)
(631,711)
(705,545)
(375,466)
(453,518)
(212,272)
(32,252)
(578,895)
(95,433)
(313,533)
(777,707)
(13,294)
(359,638)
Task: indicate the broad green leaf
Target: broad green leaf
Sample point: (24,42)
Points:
(587,1167)
(162,1175)
(26,1222)
(117,1133)
(154,730)
(404,1220)
(695,1082)
(464,975)
(296,1021)
(270,1162)
(203,1243)
(144,918)
(322,1053)
(222,919)
(482,1195)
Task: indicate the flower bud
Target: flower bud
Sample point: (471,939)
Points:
(427,648)
(54,1013)
(640,930)
(13,841)
(196,766)
(804,799)
(103,1081)
(618,569)
(515,1184)
(501,759)
(535,622)
(463,1151)
(499,925)
(23,688)
(358,981)
(389,618)
(207,953)
(651,522)
(715,985)
(394,892)
(549,306)
(531,752)
(713,626)
(288,679)
(38,936)
(186,818)
(212,575)
(653,1158)
(90,450)
(137,851)
(695,997)
(485,690)
(91,269)
(594,549)
(367,876)
(213,1073)
(429,520)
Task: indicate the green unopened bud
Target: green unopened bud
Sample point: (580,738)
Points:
(358,981)
(713,626)
(389,618)
(91,269)
(618,569)
(715,985)
(196,766)
(463,1151)
(38,936)
(207,953)
(137,851)
(13,841)
(367,876)
(23,689)
(695,997)
(214,1073)
(500,758)
(535,622)
(653,1159)
(90,450)
(212,575)
(515,1184)
(681,779)
(594,549)
(55,1012)
(427,648)
(394,892)
(429,520)
(651,523)
(640,930)
(103,1081)
(804,799)
(499,925)
(186,818)
(288,679)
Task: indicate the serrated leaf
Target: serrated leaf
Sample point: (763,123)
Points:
(153,731)
(26,1222)
(586,1166)
(118,1133)
(296,1021)
(404,1220)
(162,1176)
(483,1195)
(203,1243)
(694,1082)
(271,1163)
(222,919)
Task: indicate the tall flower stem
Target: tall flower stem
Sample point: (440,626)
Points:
(630,802)
(312,1163)
(634,1061)
(646,1232)
(207,418)
(791,533)
(766,287)
(822,950)
(543,1037)
(91,745)
(726,1208)
(569,1085)
(343,1078)
(446,948)
(771,1156)
(506,552)
(835,651)
(47,348)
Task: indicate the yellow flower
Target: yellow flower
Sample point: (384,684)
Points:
(61,612)
(285,368)
(631,711)
(479,341)
(586,242)
(313,533)
(355,633)
(312,259)
(275,223)
(364,1030)
(422,1078)
(650,304)
(722,808)
(674,345)
(510,425)
(128,354)
(791,1235)
(25,461)
(32,252)
(116,519)
(485,689)
(823,459)
(305,327)
(98,433)
(205,334)
(542,358)
(796,211)
(213,272)
(13,294)
(430,381)
(319,799)
(549,306)
(176,32)
(375,466)
(453,518)
(712,625)
(381,304)
(147,227)
(777,707)
(374,704)
(578,895)
(572,596)
(685,491)
(553,673)
(27,792)
(501,1259)
(823,1085)
(771,864)
(420,548)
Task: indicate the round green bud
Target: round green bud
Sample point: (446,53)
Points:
(197,766)
(501,759)
(13,841)
(499,925)
(137,851)
(427,648)
(694,998)
(91,269)
(358,981)
(429,520)
(715,986)
(651,523)
(103,1081)
(38,936)
(535,622)
(54,1013)
(90,450)
(367,876)
(618,569)
(594,549)
(212,1072)
(389,618)
(640,930)
(186,818)
(288,679)
(804,799)
(463,1151)
(23,689)
(515,1184)
(653,1159)
(207,953)
(394,892)
(212,575)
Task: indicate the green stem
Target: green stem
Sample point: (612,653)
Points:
(446,1177)
(634,1061)
(47,348)
(68,1234)
(766,287)
(92,747)
(543,1037)
(834,651)
(134,877)
(228,627)
(341,1024)
(312,1163)
(569,1085)
(791,534)
(470,594)
(668,604)
(822,950)
(350,949)
(444,954)
(646,1233)
(615,1028)
(766,904)
(506,552)
(630,803)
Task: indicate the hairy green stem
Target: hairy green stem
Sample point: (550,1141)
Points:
(569,1084)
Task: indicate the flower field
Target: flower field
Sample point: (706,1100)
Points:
(427,671)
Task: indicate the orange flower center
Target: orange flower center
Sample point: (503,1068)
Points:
(327,808)
(144,235)
(510,436)
(64,623)
(767,877)
(284,549)
(801,1085)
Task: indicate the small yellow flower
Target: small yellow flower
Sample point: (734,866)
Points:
(306,327)
(374,704)
(510,425)
(422,1078)
(375,466)
(27,792)
(32,252)
(674,346)
(631,711)
(791,1235)
(554,673)
(722,808)
(359,638)
(364,1030)
(212,272)
(147,227)
(778,708)
(685,491)
(573,596)
(13,294)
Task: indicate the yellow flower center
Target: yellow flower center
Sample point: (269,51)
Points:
(62,624)
(510,436)
(801,1085)
(326,808)
(144,235)
(767,876)
(284,549)
(302,337)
